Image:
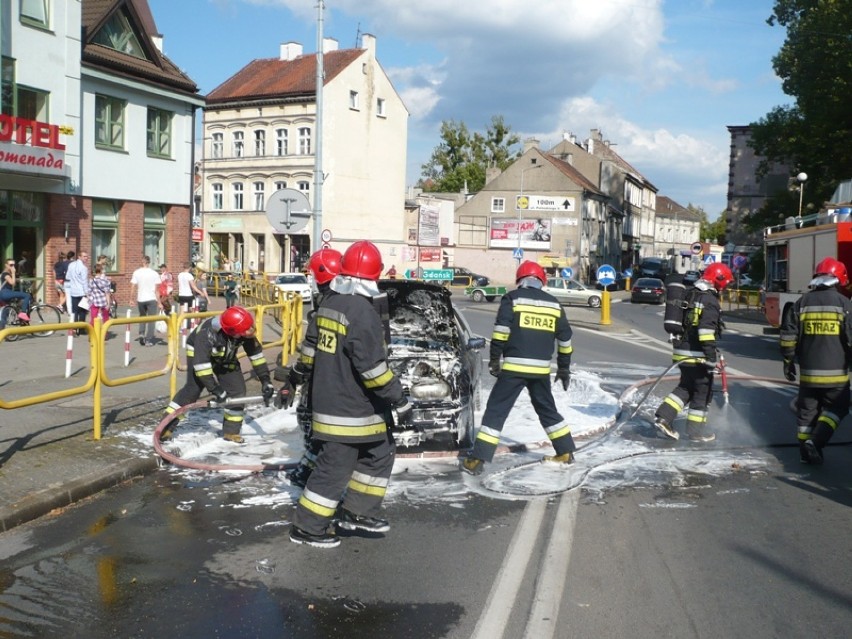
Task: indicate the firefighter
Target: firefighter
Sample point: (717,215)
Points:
(528,322)
(818,333)
(212,365)
(696,350)
(350,366)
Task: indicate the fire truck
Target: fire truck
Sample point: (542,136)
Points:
(793,250)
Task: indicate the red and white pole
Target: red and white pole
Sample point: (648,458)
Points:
(127,342)
(69,352)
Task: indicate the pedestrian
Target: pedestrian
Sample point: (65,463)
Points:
(696,351)
(391,272)
(203,300)
(166,289)
(188,290)
(60,268)
(25,265)
(232,291)
(350,366)
(77,278)
(144,285)
(818,334)
(99,293)
(212,365)
(528,323)
(8,280)
(236,265)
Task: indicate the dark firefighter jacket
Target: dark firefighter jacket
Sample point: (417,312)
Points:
(528,321)
(352,383)
(214,352)
(702,325)
(818,333)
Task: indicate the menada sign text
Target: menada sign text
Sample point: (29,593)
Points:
(31,146)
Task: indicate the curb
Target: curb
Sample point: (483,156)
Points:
(41,503)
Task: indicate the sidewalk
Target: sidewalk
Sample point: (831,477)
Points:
(48,457)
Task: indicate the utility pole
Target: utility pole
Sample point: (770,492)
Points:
(316,241)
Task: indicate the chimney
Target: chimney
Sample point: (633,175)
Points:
(157,39)
(530,143)
(290,51)
(368,42)
(329,44)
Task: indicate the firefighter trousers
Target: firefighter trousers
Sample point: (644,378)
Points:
(231,381)
(503,397)
(695,388)
(357,474)
(819,412)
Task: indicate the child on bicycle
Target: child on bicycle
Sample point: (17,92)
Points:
(8,293)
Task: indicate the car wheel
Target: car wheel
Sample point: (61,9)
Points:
(466,427)
(478,296)
(594,301)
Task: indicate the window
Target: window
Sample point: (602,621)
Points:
(498,205)
(109,122)
(34,12)
(259,199)
(238,144)
(159,133)
(259,143)
(7,91)
(105,230)
(305,141)
(353,100)
(238,196)
(304,186)
(154,238)
(380,107)
(281,145)
(280,185)
(32,104)
(218,146)
(118,34)
(473,230)
(218,197)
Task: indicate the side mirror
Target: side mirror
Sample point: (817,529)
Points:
(476,343)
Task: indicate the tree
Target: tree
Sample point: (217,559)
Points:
(813,135)
(461,158)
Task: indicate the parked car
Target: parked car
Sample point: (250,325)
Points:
(294,282)
(648,289)
(437,359)
(464,277)
(654,267)
(618,285)
(572,292)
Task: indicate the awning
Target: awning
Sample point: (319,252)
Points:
(553,261)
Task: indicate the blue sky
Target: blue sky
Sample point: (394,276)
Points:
(661,80)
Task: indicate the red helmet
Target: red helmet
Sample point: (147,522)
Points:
(718,275)
(363,260)
(530,269)
(237,322)
(831,266)
(325,265)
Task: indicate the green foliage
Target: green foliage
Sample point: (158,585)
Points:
(462,157)
(814,134)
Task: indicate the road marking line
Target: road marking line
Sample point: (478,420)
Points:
(504,591)
(551,582)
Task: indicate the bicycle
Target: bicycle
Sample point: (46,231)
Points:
(39,314)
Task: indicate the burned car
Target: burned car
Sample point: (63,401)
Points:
(437,359)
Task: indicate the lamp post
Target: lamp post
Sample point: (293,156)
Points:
(520,210)
(802,178)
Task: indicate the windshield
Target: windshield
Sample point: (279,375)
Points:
(295,278)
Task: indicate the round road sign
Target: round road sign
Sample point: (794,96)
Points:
(696,248)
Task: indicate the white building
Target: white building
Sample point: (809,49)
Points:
(260,137)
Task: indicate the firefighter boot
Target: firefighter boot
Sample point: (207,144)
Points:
(812,453)
(472,466)
(236,438)
(168,432)
(324,540)
(665,428)
(350,521)
(699,432)
(564,458)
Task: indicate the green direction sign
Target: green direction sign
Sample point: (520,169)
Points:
(437,274)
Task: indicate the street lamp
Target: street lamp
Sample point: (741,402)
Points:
(801,177)
(520,210)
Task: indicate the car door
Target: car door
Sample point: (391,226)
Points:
(556,287)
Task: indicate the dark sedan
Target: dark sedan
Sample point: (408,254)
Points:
(437,359)
(648,289)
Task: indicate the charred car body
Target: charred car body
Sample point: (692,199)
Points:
(437,359)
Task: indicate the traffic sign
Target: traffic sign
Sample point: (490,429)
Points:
(606,275)
(709,259)
(437,274)
(628,272)
(544,203)
(288,211)
(739,261)
(518,253)
(696,248)
(326,235)
(568,272)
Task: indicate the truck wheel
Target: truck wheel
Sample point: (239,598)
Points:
(595,301)
(490,298)
(478,296)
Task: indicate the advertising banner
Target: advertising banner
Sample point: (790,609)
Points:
(535,234)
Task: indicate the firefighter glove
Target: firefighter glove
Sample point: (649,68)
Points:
(298,374)
(402,412)
(563,375)
(494,366)
(790,370)
(286,395)
(268,391)
(219,394)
